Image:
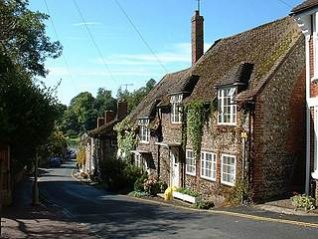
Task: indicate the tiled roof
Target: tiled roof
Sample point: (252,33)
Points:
(170,84)
(225,62)
(306,5)
(104,129)
(263,47)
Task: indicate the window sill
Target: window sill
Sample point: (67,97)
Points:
(144,142)
(190,174)
(209,179)
(228,183)
(175,123)
(227,124)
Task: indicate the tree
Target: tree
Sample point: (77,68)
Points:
(134,98)
(28,110)
(105,101)
(23,37)
(81,115)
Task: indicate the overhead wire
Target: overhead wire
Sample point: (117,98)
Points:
(93,41)
(285,3)
(58,38)
(140,35)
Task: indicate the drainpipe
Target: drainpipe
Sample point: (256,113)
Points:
(248,144)
(159,113)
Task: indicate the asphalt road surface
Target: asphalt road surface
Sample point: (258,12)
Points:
(116,216)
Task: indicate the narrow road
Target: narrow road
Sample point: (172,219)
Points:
(118,216)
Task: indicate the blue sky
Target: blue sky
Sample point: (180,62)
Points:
(164,24)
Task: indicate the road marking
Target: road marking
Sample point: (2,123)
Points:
(235,214)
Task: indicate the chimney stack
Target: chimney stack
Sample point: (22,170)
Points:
(122,109)
(100,122)
(109,116)
(197,37)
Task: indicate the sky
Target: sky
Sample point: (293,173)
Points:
(111,43)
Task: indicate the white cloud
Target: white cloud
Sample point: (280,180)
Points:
(96,72)
(178,53)
(79,24)
(132,65)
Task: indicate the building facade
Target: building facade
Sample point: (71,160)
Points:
(247,96)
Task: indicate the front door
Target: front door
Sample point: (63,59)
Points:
(175,168)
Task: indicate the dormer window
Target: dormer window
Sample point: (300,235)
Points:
(227,108)
(144,132)
(176,109)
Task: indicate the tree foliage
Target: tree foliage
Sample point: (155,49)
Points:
(28,109)
(84,109)
(23,37)
(135,97)
(104,101)
(82,113)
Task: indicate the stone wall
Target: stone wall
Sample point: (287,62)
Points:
(151,157)
(172,133)
(218,139)
(279,129)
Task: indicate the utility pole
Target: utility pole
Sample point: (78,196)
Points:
(35,198)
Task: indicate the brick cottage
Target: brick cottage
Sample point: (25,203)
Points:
(251,91)
(101,143)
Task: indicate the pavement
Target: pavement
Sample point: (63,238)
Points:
(23,220)
(77,210)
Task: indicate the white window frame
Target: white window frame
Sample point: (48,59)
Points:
(222,167)
(204,168)
(226,98)
(138,161)
(144,132)
(192,166)
(176,108)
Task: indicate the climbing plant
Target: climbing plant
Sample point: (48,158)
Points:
(195,121)
(126,139)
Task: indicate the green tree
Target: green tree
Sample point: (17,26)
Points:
(81,114)
(28,110)
(134,98)
(105,101)
(23,37)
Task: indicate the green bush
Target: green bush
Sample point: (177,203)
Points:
(138,194)
(204,205)
(163,186)
(119,174)
(188,192)
(151,185)
(303,201)
(139,183)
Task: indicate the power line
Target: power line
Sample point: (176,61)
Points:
(140,35)
(93,41)
(58,38)
(285,3)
